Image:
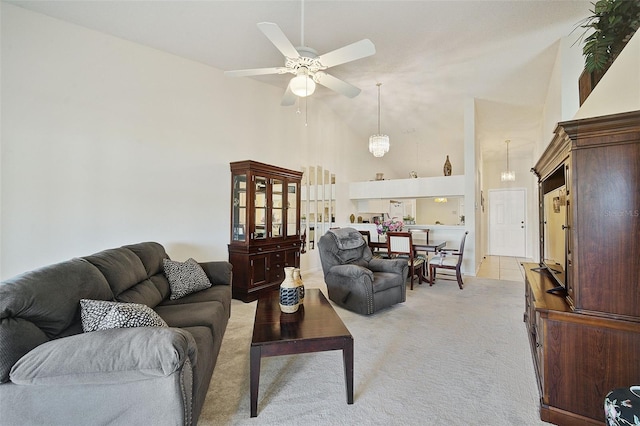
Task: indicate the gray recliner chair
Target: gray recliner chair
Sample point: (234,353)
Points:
(355,279)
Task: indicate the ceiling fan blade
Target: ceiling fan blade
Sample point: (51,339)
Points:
(255,71)
(337,85)
(358,50)
(289,98)
(279,40)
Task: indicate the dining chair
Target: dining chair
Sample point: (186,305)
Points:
(303,241)
(400,245)
(448,259)
(374,251)
(367,237)
(312,237)
(419,235)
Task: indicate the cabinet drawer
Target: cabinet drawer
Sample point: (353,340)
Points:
(280,260)
(276,266)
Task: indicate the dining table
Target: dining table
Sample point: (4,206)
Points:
(418,245)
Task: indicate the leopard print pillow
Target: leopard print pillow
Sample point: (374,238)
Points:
(103,315)
(185,277)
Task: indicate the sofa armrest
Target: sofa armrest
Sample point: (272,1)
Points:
(218,272)
(388,265)
(107,357)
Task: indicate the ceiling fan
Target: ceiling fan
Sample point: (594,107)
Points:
(307,66)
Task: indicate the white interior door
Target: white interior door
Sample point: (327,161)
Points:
(507,232)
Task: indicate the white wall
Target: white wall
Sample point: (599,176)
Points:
(562,100)
(472,252)
(106,143)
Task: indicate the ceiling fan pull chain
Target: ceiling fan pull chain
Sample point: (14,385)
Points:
(301,23)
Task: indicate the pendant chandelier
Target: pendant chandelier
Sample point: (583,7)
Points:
(508,175)
(379,143)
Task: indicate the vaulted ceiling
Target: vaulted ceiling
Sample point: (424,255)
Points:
(431,56)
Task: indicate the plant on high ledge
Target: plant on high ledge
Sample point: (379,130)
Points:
(613,22)
(392,225)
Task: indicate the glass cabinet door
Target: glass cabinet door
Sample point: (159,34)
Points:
(277,208)
(292,209)
(239,218)
(260,208)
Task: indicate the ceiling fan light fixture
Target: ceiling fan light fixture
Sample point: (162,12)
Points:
(379,144)
(302,85)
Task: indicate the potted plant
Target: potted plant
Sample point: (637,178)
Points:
(613,23)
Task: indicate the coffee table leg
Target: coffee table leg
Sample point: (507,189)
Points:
(254,378)
(347,354)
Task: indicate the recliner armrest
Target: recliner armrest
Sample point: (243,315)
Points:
(388,265)
(353,271)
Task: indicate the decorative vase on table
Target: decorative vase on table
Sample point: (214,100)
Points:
(297,277)
(447,167)
(289,299)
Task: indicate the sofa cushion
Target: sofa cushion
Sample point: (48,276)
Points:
(102,315)
(121,267)
(41,304)
(216,293)
(17,337)
(185,277)
(208,314)
(149,292)
(106,357)
(151,255)
(219,272)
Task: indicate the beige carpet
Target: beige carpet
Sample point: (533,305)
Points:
(444,357)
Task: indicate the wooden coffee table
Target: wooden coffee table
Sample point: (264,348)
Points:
(315,327)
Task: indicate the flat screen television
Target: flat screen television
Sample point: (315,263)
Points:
(553,256)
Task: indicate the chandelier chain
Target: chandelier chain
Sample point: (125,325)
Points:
(379,84)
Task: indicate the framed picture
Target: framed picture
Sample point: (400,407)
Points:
(556,204)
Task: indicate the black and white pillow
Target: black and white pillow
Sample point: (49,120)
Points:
(185,277)
(103,315)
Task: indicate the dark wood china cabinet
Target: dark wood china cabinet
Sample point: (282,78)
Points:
(265,226)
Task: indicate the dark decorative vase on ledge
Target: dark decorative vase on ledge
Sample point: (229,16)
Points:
(587,82)
(447,167)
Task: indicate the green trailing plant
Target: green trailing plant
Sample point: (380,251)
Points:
(613,23)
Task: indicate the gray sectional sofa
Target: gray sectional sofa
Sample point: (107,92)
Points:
(53,373)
